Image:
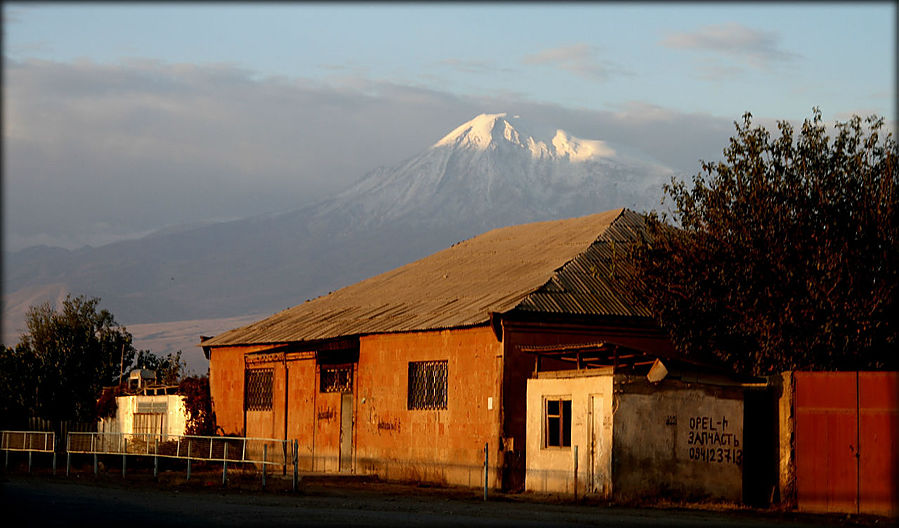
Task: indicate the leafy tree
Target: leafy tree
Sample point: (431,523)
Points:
(170,369)
(18,370)
(198,404)
(785,253)
(72,354)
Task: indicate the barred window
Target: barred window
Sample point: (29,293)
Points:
(557,424)
(258,389)
(336,379)
(148,423)
(427,385)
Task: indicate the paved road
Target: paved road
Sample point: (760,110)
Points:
(55,501)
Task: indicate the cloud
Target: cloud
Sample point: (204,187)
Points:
(759,49)
(100,152)
(580,59)
(95,152)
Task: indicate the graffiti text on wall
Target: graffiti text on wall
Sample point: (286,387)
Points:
(710,441)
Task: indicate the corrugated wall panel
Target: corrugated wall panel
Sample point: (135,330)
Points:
(826,468)
(879,428)
(847,455)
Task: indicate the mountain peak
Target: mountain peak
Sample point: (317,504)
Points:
(492,131)
(481,132)
(580,149)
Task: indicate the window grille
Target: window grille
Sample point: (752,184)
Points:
(427,385)
(336,379)
(148,423)
(152,407)
(258,389)
(557,425)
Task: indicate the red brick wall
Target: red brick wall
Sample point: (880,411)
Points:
(430,445)
(226,366)
(269,424)
(397,443)
(300,419)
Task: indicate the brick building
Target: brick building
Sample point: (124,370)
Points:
(409,373)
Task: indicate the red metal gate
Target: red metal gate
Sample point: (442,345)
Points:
(846,441)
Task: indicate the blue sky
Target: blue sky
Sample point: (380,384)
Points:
(120,119)
(774,60)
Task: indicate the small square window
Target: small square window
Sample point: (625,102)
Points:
(336,379)
(557,423)
(258,389)
(427,385)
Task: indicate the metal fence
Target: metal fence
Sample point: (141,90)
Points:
(30,442)
(264,451)
(261,452)
(36,441)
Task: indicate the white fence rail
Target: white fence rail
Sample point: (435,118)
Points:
(35,441)
(30,442)
(260,452)
(265,451)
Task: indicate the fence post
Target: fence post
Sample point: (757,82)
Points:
(68,455)
(188,459)
(224,464)
(296,450)
(156,457)
(29,461)
(264,457)
(95,464)
(575,473)
(486,456)
(54,455)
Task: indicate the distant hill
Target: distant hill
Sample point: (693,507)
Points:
(487,173)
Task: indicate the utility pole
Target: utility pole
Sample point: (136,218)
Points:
(122,365)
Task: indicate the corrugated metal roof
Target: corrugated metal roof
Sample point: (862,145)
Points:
(593,283)
(562,266)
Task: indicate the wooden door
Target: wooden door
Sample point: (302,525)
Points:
(346,432)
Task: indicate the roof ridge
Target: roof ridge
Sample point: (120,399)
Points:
(626,217)
(555,276)
(494,272)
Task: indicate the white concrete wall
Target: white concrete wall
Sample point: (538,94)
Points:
(175,420)
(551,469)
(678,440)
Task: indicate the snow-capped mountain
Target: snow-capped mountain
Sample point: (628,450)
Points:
(493,170)
(488,172)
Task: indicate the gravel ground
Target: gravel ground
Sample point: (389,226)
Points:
(139,500)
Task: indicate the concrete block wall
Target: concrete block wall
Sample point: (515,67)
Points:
(678,440)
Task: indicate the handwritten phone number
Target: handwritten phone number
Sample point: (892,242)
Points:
(717,455)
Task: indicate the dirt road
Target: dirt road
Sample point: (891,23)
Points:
(57,501)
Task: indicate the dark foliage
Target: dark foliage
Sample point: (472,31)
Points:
(169,368)
(786,253)
(198,403)
(64,360)
(18,370)
(106,404)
